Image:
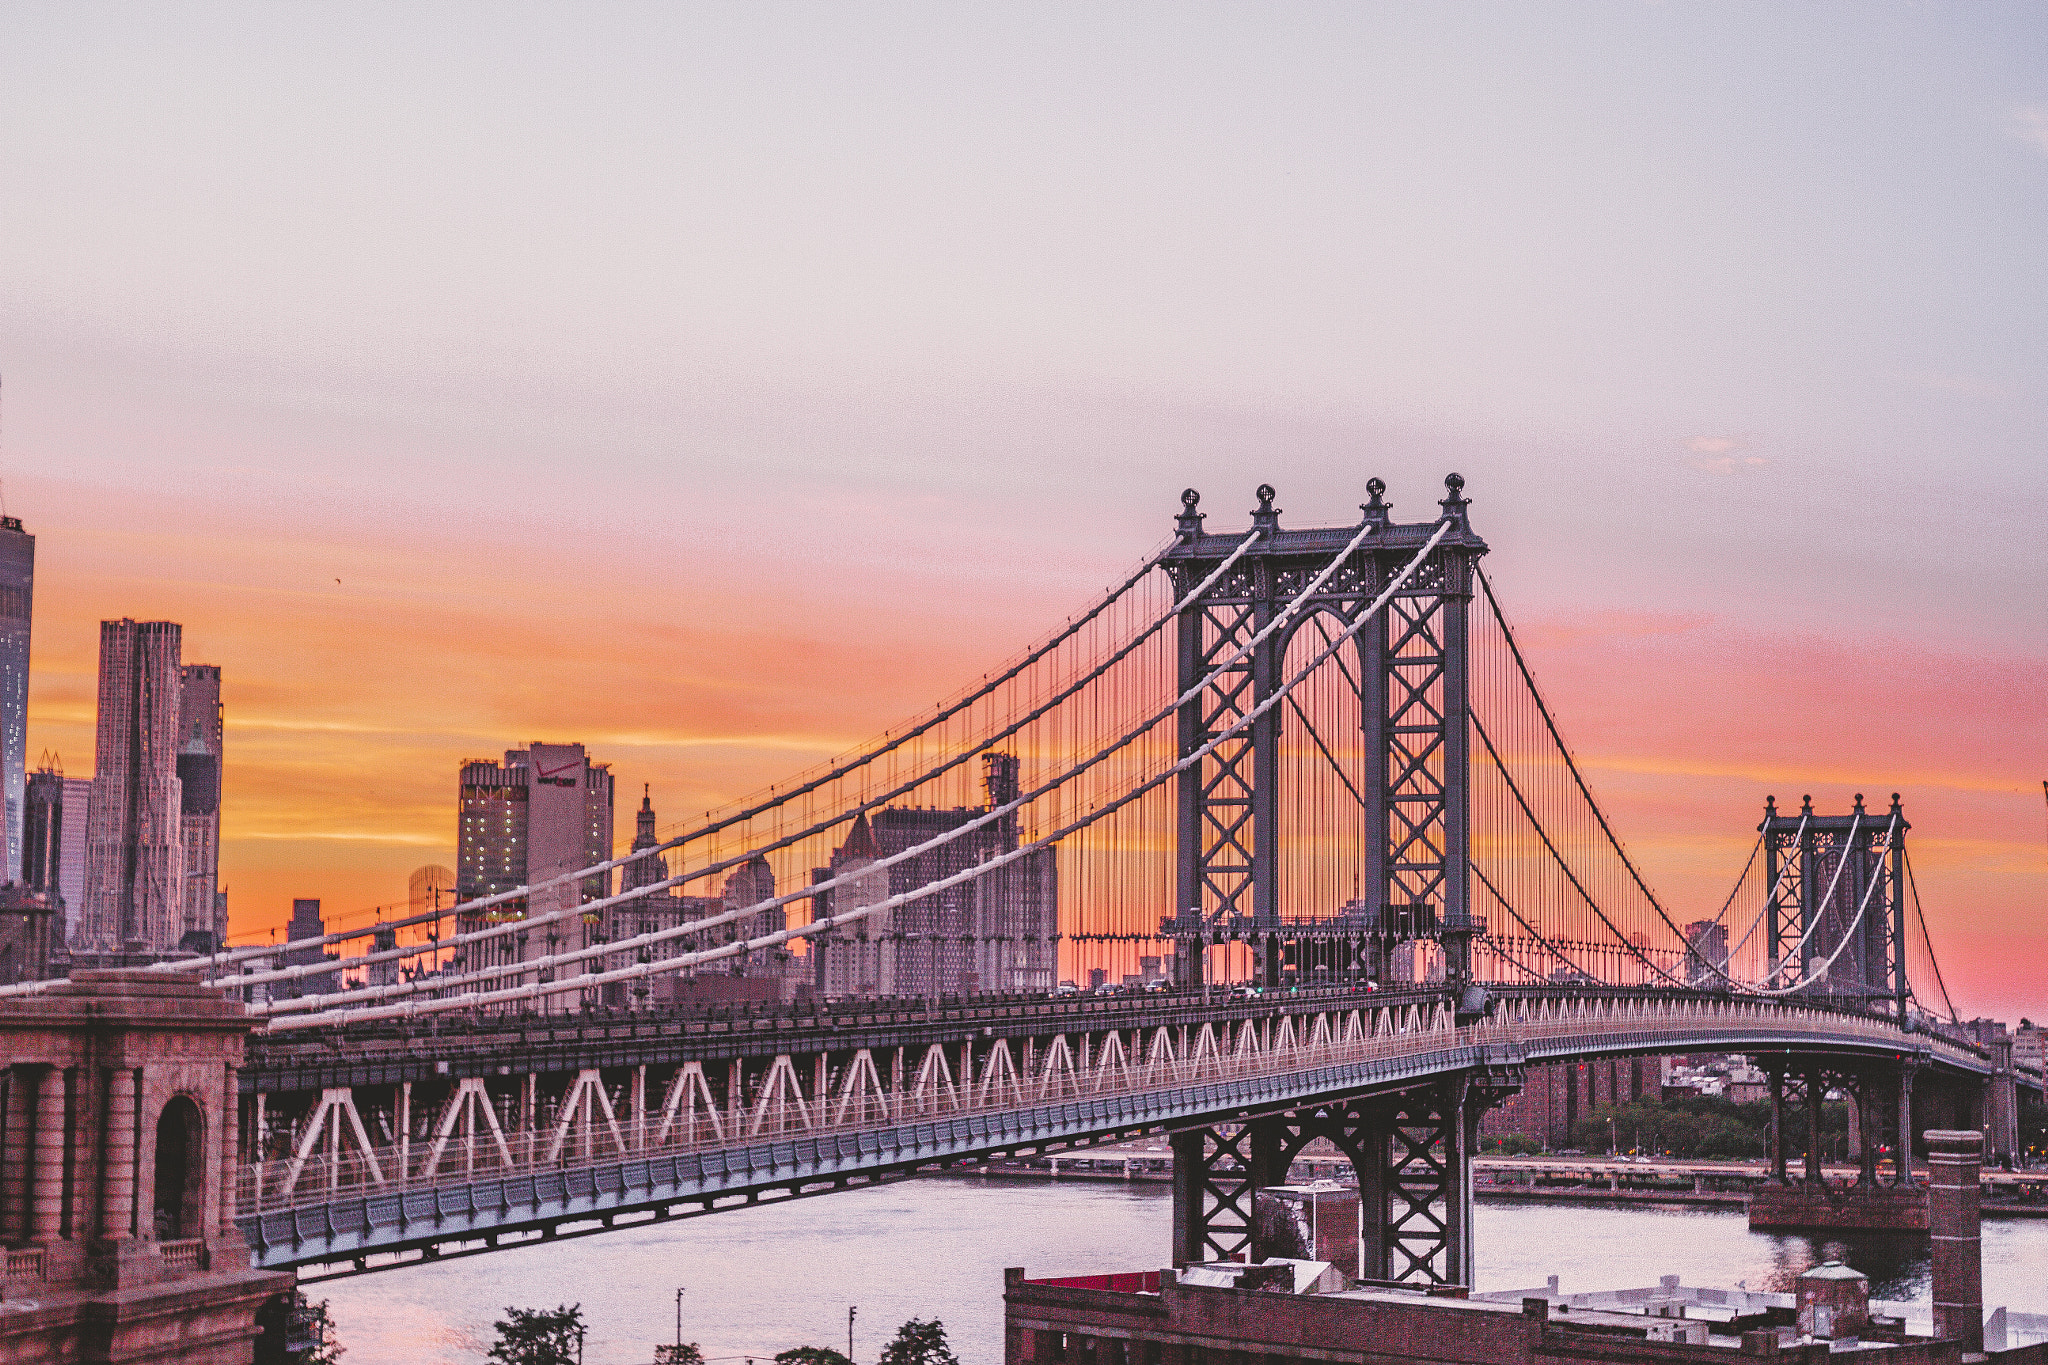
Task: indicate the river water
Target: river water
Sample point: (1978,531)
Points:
(758,1281)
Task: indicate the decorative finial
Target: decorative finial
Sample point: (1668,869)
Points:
(1859,803)
(1267,517)
(1189,523)
(1190,498)
(1454,501)
(1376,510)
(1806,804)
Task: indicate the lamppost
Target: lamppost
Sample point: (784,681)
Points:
(679,1319)
(850,1311)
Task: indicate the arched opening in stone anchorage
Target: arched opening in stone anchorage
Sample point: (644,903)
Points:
(180,1182)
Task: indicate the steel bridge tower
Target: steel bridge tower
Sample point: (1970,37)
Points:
(1837,907)
(1410,677)
(1412,1147)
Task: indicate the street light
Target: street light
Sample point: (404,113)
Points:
(679,1319)
(850,1311)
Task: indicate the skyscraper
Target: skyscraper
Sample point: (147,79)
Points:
(998,931)
(134,864)
(200,732)
(42,837)
(53,840)
(545,811)
(1706,958)
(17,598)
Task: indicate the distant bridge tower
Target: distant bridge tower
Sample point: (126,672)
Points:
(1837,911)
(1410,676)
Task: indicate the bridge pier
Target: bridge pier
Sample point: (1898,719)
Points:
(1411,1152)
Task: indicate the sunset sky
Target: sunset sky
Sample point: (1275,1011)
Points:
(718,385)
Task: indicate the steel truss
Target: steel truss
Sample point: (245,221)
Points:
(1410,681)
(1411,1151)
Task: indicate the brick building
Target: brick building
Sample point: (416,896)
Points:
(1276,1314)
(1555,1097)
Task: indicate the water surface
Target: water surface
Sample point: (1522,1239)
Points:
(762,1280)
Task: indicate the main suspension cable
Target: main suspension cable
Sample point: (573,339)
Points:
(589,980)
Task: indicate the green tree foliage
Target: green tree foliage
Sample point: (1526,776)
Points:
(539,1336)
(1509,1144)
(1705,1126)
(919,1343)
(689,1353)
(811,1355)
(316,1329)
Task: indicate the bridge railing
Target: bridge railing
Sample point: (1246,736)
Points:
(475,1143)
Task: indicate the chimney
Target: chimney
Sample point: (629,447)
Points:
(1952,1220)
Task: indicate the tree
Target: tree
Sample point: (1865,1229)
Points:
(1509,1144)
(919,1343)
(811,1355)
(687,1353)
(298,1332)
(538,1336)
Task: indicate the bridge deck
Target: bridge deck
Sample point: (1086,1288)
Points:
(746,1158)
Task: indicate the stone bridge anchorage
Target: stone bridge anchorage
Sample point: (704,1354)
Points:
(1307,770)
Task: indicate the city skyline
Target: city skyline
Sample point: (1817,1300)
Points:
(782,443)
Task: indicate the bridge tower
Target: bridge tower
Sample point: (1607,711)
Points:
(1409,672)
(1837,909)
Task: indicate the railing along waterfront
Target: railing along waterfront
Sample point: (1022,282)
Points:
(471,1139)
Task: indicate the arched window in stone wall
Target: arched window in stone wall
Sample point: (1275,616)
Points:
(180,1178)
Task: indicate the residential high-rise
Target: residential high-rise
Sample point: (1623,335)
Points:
(134,863)
(204,924)
(545,811)
(17,599)
(71,856)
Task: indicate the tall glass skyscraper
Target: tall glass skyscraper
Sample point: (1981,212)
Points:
(17,598)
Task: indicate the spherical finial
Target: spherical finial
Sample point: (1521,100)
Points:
(1266,496)
(1375,486)
(1455,482)
(1189,497)
(1895,798)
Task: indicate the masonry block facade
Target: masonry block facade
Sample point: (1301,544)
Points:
(117,1175)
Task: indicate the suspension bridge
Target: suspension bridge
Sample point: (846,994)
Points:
(1309,768)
